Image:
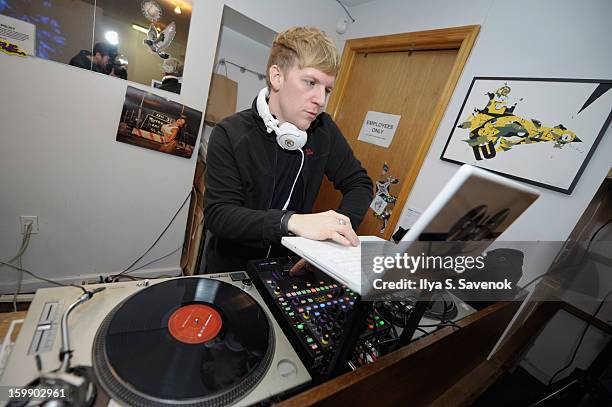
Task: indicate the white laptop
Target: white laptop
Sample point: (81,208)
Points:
(475,204)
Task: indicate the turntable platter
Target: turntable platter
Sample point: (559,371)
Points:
(187,341)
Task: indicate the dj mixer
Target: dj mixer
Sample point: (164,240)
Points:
(312,309)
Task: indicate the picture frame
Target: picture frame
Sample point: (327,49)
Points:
(541,131)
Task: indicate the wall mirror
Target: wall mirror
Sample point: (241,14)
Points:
(144,41)
(240,67)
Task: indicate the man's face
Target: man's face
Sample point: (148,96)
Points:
(299,94)
(101,60)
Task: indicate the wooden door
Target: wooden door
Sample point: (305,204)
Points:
(411,75)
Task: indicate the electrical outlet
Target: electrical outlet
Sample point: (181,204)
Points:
(24,221)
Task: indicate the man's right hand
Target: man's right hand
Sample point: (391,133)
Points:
(301,267)
(324,226)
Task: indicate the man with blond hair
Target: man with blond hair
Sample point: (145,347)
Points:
(265,165)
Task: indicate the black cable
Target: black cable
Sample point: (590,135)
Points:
(42,278)
(387,341)
(124,271)
(397,336)
(347,12)
(132,278)
(160,236)
(581,338)
(440,325)
(582,259)
(153,261)
(423,331)
(136,278)
(453,323)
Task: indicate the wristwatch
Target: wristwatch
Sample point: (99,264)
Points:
(284,225)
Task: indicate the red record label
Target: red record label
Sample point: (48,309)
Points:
(195,323)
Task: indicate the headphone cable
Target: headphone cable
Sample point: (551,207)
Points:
(295,180)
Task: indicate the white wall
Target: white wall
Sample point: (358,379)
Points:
(101,203)
(522,38)
(382,17)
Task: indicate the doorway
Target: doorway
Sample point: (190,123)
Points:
(412,75)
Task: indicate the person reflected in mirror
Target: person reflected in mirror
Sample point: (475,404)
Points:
(119,67)
(96,60)
(172,69)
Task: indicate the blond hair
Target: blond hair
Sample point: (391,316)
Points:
(309,47)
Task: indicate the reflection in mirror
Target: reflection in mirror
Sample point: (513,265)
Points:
(63,27)
(241,59)
(144,41)
(147,39)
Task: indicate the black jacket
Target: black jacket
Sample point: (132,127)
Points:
(240,184)
(82,60)
(171,85)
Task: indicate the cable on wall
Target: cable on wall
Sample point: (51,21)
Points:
(126,270)
(24,245)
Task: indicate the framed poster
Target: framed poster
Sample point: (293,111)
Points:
(538,130)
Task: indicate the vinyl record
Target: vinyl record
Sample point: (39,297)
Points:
(191,341)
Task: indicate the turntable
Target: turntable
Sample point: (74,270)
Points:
(197,341)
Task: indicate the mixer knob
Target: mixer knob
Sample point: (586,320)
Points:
(307,314)
(294,287)
(325,339)
(277,290)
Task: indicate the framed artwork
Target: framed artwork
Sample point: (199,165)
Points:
(537,130)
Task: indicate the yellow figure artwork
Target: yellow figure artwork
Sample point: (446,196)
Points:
(496,128)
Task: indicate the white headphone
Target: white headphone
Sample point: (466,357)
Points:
(288,136)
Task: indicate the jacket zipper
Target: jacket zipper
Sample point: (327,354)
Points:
(273,188)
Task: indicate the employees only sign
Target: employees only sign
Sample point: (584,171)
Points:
(379,128)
